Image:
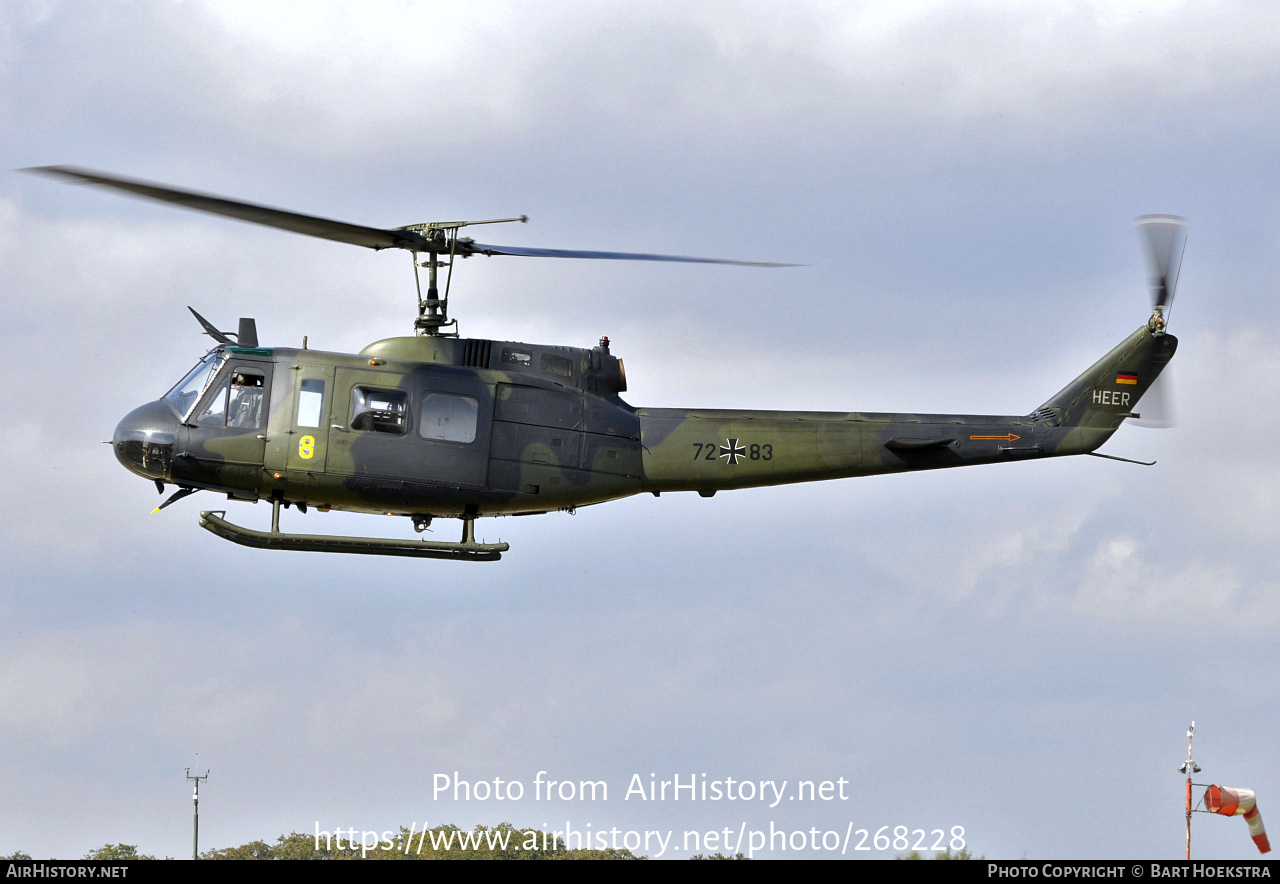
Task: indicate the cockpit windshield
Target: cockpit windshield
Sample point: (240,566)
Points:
(184,395)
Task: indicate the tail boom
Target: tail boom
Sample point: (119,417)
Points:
(707,450)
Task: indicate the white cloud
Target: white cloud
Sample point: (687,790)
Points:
(423,80)
(1122,583)
(1228,478)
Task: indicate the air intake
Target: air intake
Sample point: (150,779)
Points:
(475,354)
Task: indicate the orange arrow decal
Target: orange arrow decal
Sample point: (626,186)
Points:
(1008,438)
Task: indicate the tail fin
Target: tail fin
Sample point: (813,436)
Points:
(1092,407)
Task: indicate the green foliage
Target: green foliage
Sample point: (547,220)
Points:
(719,855)
(503,841)
(17,855)
(252,850)
(117,851)
(963,853)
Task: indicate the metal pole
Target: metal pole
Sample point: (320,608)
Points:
(195,819)
(1189,767)
(1188,818)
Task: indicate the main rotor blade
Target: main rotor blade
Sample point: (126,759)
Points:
(1166,239)
(477,248)
(339,231)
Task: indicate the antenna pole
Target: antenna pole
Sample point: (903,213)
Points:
(195,820)
(1189,767)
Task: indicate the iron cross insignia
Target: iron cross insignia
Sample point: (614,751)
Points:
(732,450)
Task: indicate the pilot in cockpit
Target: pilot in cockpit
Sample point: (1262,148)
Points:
(245,406)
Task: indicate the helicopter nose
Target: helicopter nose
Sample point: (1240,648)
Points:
(144,440)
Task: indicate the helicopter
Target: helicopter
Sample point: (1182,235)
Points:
(434,425)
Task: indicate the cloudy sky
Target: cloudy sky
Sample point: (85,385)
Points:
(1016,650)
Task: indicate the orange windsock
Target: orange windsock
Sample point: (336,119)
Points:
(1238,802)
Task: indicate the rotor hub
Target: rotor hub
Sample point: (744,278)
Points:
(1158,321)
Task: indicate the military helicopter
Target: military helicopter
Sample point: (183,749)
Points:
(434,425)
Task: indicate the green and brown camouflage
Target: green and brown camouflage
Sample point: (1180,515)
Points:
(432,426)
(437,426)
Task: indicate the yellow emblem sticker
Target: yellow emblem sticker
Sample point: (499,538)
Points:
(307,447)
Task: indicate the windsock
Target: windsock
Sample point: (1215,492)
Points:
(1238,802)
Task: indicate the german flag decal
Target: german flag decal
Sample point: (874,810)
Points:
(1126,378)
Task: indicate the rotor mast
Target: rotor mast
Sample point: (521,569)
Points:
(441,236)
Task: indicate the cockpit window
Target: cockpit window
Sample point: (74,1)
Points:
(244,408)
(238,402)
(215,413)
(184,395)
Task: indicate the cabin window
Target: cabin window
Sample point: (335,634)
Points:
(379,411)
(449,417)
(512,356)
(557,365)
(310,400)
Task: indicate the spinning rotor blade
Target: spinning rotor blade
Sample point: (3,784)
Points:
(1156,405)
(339,231)
(467,248)
(437,237)
(1166,238)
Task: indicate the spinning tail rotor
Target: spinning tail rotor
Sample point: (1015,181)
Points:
(1165,238)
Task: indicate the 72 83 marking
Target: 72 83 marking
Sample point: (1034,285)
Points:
(731,451)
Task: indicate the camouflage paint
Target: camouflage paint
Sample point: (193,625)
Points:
(552,433)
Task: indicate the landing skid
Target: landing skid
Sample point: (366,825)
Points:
(466,550)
